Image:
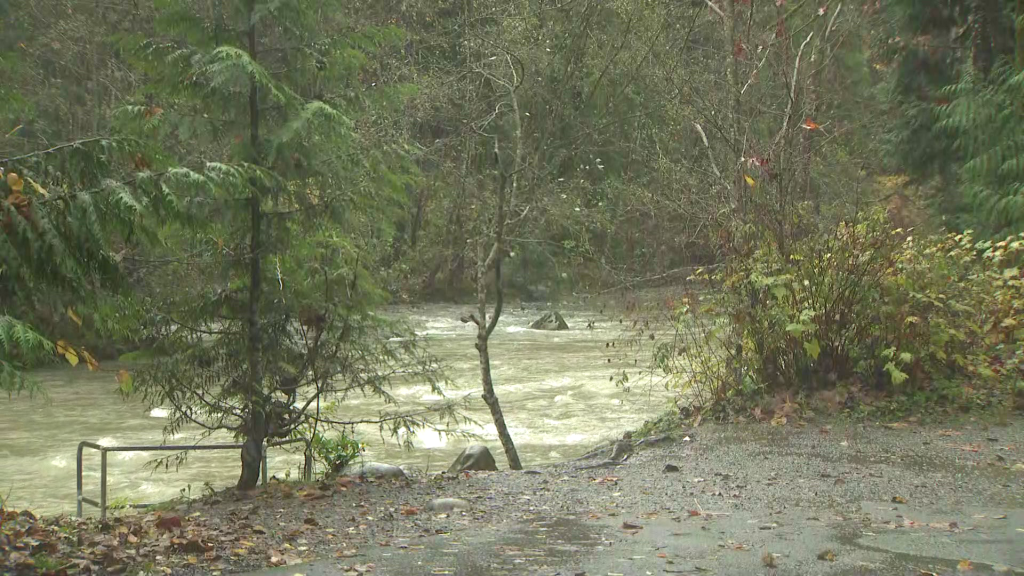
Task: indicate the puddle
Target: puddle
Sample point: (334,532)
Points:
(930,540)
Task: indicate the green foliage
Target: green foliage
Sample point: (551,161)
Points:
(20,347)
(68,215)
(985,121)
(335,452)
(864,307)
(284,194)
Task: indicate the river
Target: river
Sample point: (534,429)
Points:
(554,389)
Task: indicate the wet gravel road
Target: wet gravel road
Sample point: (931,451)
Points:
(746,499)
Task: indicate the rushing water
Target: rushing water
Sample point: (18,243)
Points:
(554,389)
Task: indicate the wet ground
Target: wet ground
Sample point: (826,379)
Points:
(747,499)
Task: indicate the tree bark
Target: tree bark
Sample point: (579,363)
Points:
(256,426)
(485,327)
(736,122)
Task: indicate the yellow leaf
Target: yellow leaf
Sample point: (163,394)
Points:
(750,181)
(15,182)
(69,353)
(90,361)
(39,189)
(965,566)
(74,317)
(125,380)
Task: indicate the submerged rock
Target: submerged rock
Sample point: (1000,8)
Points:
(448,505)
(550,321)
(373,470)
(475,457)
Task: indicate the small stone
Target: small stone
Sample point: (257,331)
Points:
(670,468)
(447,505)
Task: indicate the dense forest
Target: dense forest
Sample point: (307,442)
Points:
(238,185)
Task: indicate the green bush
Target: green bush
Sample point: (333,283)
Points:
(863,306)
(334,453)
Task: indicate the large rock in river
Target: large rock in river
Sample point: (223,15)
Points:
(373,470)
(473,458)
(550,321)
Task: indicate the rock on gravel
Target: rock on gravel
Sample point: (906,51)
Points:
(373,470)
(448,505)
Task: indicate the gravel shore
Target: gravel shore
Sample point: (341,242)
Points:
(826,498)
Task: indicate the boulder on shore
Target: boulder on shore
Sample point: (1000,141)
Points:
(475,457)
(373,470)
(550,321)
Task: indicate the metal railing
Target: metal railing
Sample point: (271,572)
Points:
(307,466)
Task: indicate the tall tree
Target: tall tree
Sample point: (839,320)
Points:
(264,293)
(508,165)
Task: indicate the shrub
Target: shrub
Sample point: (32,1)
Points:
(335,452)
(863,306)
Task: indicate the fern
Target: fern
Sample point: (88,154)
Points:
(986,121)
(20,347)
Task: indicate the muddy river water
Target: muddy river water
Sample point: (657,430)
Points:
(554,388)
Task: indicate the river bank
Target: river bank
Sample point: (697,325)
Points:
(831,497)
(555,389)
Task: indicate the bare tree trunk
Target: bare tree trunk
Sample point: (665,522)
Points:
(255,427)
(485,327)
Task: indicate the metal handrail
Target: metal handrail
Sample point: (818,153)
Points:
(307,465)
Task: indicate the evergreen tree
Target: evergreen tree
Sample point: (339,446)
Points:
(264,292)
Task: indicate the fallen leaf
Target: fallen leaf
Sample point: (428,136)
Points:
(899,500)
(965,566)
(631,526)
(661,555)
(168,523)
(693,512)
(1000,517)
(827,555)
(410,510)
